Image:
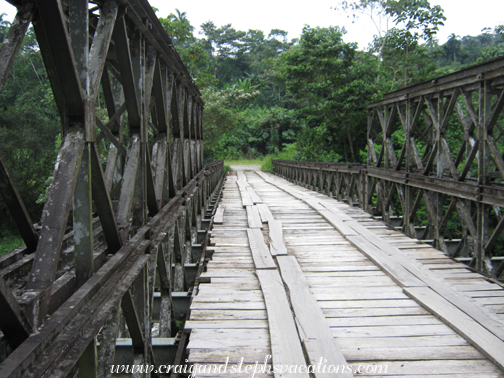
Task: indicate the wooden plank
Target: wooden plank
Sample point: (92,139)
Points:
(383,321)
(241,176)
(285,344)
(245,197)
(404,342)
(433,369)
(485,341)
(387,254)
(277,246)
(313,327)
(392,331)
(231,371)
(393,269)
(322,349)
(405,353)
(233,305)
(228,338)
(253,218)
(260,252)
(228,314)
(373,311)
(347,295)
(219,214)
(265,212)
(341,226)
(249,355)
(253,195)
(225,324)
(368,303)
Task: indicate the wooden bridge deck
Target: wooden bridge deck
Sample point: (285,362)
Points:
(299,276)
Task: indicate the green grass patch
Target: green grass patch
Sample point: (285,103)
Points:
(267,164)
(9,243)
(243,162)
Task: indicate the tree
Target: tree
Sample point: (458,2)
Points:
(415,21)
(452,47)
(331,84)
(29,126)
(4,26)
(178,28)
(191,51)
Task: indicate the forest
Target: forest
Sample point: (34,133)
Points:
(265,96)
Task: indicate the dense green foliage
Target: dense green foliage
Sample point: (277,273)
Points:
(308,95)
(29,130)
(265,96)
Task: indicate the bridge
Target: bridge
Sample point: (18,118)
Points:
(157,259)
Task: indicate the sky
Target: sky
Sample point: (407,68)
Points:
(463,16)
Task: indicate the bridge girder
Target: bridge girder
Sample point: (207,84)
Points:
(108,238)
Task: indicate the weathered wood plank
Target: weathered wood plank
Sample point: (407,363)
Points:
(322,349)
(246,200)
(485,341)
(313,327)
(413,353)
(253,195)
(265,212)
(219,214)
(231,355)
(229,338)
(260,252)
(253,218)
(226,324)
(277,246)
(285,344)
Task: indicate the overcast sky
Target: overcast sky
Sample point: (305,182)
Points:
(464,17)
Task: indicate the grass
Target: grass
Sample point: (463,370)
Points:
(243,162)
(9,243)
(267,165)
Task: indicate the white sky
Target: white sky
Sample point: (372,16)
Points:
(464,17)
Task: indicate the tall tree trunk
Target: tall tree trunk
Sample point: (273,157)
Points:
(406,65)
(349,135)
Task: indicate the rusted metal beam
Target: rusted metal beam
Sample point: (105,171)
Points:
(104,204)
(125,65)
(473,74)
(13,323)
(100,46)
(52,17)
(56,211)
(17,208)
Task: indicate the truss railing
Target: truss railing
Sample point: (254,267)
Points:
(435,165)
(110,264)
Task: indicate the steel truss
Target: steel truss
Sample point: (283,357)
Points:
(117,248)
(436,146)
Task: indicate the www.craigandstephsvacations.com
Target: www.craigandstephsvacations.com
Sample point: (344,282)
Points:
(250,370)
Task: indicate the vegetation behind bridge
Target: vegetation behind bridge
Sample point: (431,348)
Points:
(305,98)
